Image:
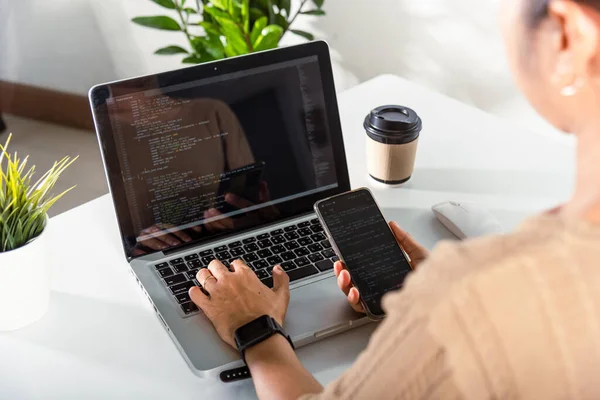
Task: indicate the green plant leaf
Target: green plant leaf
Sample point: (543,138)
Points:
(313,12)
(190,10)
(230,51)
(198,44)
(256,14)
(215,12)
(236,41)
(222,4)
(264,5)
(268,38)
(209,47)
(281,21)
(259,25)
(271,11)
(23,205)
(231,6)
(192,59)
(286,5)
(201,46)
(246,15)
(304,34)
(235,11)
(165,3)
(318,3)
(210,28)
(158,22)
(171,50)
(206,17)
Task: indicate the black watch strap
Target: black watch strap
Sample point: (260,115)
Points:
(257,331)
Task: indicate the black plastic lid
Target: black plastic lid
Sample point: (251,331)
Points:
(393,125)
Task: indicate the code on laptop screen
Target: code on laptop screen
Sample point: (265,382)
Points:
(221,154)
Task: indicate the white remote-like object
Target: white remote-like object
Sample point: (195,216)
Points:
(466,220)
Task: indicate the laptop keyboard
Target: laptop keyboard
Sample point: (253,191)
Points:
(301,249)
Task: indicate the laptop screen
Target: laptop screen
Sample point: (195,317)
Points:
(217,155)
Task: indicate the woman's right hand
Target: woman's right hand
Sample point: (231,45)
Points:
(415,251)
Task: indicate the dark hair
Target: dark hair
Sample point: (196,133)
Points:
(538,9)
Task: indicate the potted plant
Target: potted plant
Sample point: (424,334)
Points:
(24,204)
(217,29)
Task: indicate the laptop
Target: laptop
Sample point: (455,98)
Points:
(225,160)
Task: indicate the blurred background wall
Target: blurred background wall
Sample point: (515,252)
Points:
(452,46)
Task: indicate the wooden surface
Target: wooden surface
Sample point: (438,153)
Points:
(45,105)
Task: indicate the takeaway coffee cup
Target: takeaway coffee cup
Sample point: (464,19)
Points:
(392,138)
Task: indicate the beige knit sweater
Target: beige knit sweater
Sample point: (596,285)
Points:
(512,317)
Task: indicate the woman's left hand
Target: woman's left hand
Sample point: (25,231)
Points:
(238,297)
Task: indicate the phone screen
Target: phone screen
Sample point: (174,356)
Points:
(367,246)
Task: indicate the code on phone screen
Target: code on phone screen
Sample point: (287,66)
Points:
(367,246)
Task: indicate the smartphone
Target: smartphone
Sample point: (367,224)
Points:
(363,240)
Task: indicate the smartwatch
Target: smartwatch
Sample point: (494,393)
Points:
(256,332)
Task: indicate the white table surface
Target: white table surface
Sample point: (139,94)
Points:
(101,338)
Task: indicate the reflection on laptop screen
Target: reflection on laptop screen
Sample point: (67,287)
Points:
(223,153)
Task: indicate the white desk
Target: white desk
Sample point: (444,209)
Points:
(101,338)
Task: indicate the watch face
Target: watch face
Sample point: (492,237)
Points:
(255,329)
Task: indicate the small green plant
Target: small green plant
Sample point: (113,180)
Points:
(217,29)
(23,204)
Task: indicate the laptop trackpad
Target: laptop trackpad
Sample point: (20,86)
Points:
(318,308)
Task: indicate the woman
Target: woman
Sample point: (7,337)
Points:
(513,317)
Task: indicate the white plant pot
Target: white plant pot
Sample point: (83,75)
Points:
(24,284)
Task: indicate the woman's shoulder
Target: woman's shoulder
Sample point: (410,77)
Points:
(509,304)
(546,235)
(477,255)
(453,265)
